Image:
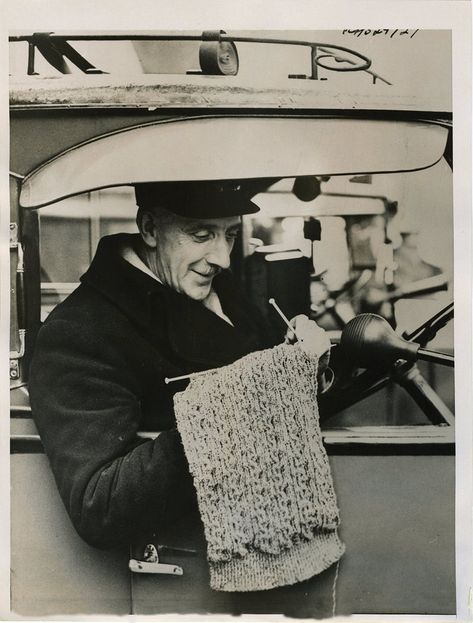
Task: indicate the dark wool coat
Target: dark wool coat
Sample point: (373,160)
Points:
(97,378)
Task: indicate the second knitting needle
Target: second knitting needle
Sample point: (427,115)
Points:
(191,375)
(286,320)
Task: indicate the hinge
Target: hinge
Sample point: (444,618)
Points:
(14,370)
(20,269)
(18,354)
(13,235)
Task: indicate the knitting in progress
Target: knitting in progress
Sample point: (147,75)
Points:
(252,438)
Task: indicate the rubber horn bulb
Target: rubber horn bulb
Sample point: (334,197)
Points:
(368,340)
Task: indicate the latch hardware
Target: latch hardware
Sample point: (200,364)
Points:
(151,564)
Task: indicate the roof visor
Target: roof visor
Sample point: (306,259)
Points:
(221,148)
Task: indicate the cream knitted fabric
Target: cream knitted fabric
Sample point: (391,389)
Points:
(252,438)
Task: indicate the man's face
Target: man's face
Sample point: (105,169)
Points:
(190,252)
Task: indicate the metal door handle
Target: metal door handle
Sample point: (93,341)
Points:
(151,564)
(139,566)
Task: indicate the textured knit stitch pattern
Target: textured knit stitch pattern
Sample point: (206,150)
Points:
(252,437)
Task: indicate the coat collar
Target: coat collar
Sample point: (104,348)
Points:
(196,336)
(122,284)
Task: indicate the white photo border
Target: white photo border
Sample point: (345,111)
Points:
(454,15)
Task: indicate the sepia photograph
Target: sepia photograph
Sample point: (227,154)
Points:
(231,330)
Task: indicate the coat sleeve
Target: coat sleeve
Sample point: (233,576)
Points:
(85,399)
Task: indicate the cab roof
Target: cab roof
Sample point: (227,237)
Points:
(151,91)
(216,70)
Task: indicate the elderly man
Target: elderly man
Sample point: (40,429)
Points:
(158,304)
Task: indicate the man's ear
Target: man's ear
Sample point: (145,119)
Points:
(147,227)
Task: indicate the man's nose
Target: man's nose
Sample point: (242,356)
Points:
(219,253)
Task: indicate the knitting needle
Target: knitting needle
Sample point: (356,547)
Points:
(168,380)
(272,302)
(280,312)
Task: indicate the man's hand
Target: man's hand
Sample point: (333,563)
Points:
(312,338)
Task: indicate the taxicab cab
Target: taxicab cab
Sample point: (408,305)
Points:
(356,218)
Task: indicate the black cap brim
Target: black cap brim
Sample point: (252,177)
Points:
(202,199)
